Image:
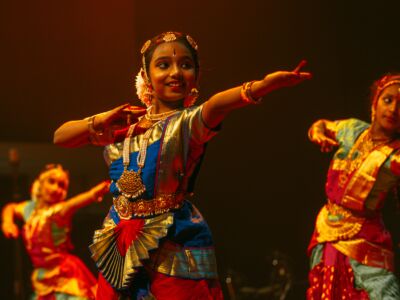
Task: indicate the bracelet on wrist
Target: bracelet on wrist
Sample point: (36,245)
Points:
(245,93)
(92,130)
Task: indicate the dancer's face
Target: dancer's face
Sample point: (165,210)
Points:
(387,114)
(54,186)
(172,72)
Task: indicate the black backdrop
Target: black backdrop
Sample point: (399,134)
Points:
(262,182)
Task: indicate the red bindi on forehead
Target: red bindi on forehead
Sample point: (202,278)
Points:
(171,49)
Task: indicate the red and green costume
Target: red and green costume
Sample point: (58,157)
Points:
(57,273)
(351,251)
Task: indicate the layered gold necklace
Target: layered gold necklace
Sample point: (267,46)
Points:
(363,146)
(150,119)
(130,183)
(160,116)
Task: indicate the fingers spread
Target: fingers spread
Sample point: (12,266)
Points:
(331,142)
(300,66)
(305,75)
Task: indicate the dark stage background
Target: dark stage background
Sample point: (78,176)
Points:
(262,182)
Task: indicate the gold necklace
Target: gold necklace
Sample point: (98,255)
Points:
(160,116)
(364,145)
(130,183)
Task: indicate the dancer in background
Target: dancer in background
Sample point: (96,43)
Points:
(46,233)
(351,251)
(154,242)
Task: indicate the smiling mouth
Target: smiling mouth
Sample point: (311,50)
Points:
(175,84)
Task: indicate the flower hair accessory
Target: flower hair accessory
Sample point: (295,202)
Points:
(142,90)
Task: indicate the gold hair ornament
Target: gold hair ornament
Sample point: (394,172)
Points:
(145,46)
(169,37)
(192,42)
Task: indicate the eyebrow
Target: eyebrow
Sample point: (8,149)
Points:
(388,94)
(170,57)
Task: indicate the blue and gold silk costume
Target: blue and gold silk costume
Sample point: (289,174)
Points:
(165,233)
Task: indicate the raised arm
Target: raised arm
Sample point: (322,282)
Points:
(96,193)
(9,213)
(323,133)
(97,129)
(221,104)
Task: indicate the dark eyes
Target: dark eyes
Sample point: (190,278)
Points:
(187,66)
(62,185)
(387,100)
(165,65)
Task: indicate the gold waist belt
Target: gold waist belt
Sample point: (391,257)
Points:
(367,253)
(335,223)
(143,208)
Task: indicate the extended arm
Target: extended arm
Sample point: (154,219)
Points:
(97,129)
(323,133)
(94,194)
(221,104)
(8,214)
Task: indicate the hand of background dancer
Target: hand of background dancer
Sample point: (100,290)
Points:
(9,228)
(100,190)
(95,194)
(320,134)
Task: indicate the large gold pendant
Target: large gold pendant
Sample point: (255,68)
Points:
(130,184)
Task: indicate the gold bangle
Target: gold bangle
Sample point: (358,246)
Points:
(245,93)
(92,130)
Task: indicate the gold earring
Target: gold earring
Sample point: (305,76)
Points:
(191,98)
(148,95)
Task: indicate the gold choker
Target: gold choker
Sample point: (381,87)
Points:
(161,116)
